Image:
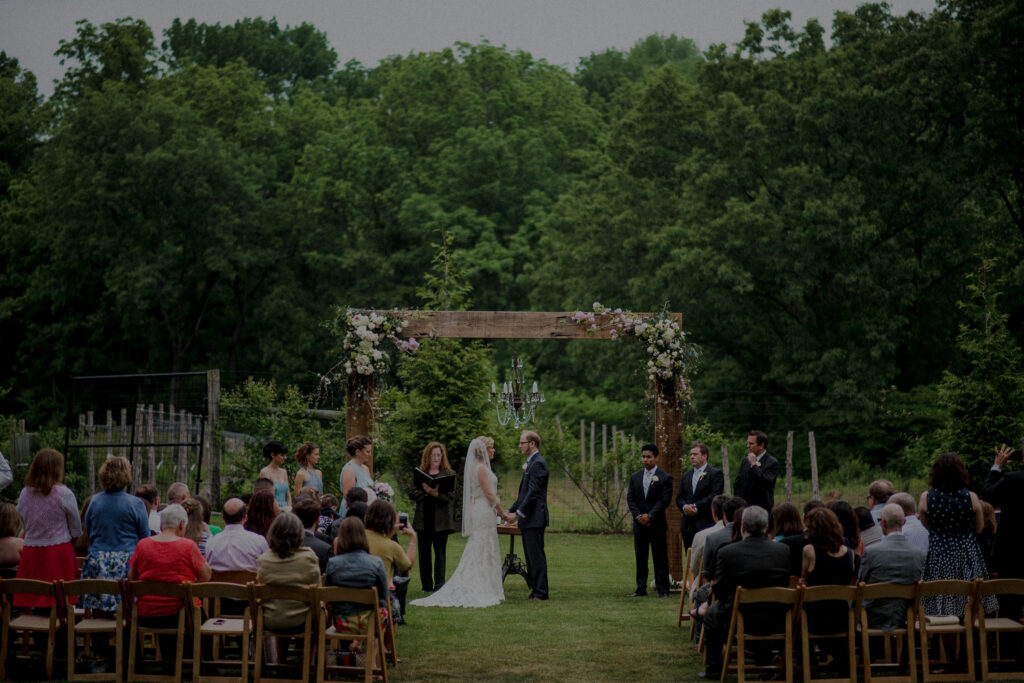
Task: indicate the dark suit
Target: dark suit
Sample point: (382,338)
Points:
(756,485)
(754,562)
(532,508)
(1005,490)
(712,544)
(711,484)
(321,549)
(894,559)
(653,536)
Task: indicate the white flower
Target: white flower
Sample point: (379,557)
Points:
(377,354)
(654,478)
(668,334)
(525,465)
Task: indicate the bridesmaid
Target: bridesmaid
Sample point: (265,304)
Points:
(276,454)
(356,471)
(308,456)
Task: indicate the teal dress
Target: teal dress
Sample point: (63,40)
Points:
(281,494)
(363,481)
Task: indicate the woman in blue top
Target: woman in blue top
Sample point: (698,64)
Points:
(308,456)
(356,471)
(354,567)
(276,454)
(115,521)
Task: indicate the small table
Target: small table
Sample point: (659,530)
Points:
(512,564)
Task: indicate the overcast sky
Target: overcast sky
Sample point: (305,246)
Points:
(559,31)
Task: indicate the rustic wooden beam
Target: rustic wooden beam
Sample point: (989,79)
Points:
(359,402)
(505,325)
(668,437)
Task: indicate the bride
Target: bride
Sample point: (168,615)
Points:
(477,580)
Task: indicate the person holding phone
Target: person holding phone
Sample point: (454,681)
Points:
(434,517)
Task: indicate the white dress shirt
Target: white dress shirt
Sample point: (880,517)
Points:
(235,549)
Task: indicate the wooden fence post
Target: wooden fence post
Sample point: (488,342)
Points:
(151,450)
(814,466)
(183,429)
(789,466)
(91,427)
(583,453)
(137,452)
(725,470)
(212,445)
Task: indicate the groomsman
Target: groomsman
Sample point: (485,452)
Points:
(697,488)
(755,482)
(530,511)
(648,497)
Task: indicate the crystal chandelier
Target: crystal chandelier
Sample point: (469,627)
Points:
(514,403)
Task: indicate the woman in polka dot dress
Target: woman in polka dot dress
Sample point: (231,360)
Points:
(953,516)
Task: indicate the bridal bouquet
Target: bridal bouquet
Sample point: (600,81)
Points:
(384,491)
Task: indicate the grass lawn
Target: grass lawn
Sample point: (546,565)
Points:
(588,630)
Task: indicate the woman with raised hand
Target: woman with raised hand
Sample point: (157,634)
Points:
(476,582)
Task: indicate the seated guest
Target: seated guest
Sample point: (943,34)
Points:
(167,557)
(828,562)
(730,509)
(894,559)
(354,567)
(49,514)
(207,516)
(150,496)
(358,510)
(754,561)
(236,548)
(879,493)
(785,521)
(848,520)
(10,543)
(262,509)
(115,522)
(194,530)
(797,542)
(308,513)
(286,563)
(356,494)
(915,532)
(177,493)
(870,533)
(328,513)
(381,523)
(697,549)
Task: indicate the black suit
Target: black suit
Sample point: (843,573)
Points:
(1005,490)
(754,562)
(318,546)
(532,508)
(653,536)
(711,484)
(756,485)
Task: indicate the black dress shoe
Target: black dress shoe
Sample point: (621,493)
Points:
(637,594)
(662,595)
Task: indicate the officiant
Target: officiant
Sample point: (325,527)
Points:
(434,518)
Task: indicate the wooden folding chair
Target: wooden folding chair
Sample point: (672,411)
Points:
(376,664)
(890,659)
(390,646)
(89,626)
(998,625)
(684,586)
(956,625)
(818,594)
(240,577)
(218,627)
(788,601)
(261,594)
(178,591)
(28,624)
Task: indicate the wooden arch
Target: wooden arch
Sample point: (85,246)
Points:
(668,418)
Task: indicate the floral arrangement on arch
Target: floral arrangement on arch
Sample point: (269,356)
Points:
(670,357)
(363,336)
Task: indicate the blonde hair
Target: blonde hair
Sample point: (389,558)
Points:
(488,441)
(533,436)
(115,474)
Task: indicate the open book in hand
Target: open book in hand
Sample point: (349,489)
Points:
(445,483)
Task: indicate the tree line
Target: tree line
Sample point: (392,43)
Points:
(840,221)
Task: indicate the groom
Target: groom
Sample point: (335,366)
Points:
(531,511)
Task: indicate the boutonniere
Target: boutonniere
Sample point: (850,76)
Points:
(757,464)
(702,475)
(525,466)
(654,478)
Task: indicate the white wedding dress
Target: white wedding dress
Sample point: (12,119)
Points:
(477,580)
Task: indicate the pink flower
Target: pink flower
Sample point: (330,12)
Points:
(613,333)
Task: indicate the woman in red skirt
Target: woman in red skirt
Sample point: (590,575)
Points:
(49,513)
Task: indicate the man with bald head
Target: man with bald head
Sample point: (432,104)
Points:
(894,559)
(236,548)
